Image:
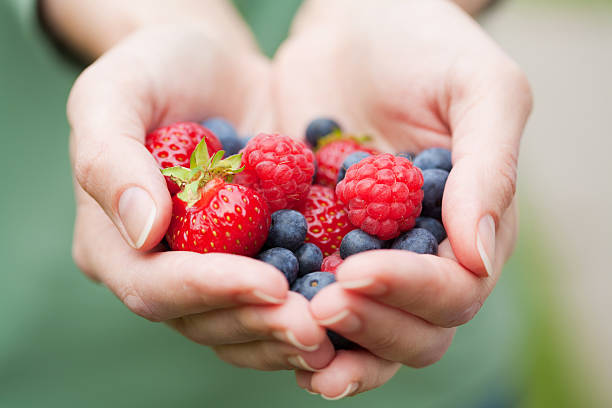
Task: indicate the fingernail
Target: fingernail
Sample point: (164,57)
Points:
(485,242)
(137,213)
(288,337)
(299,363)
(257,296)
(311,392)
(352,387)
(345,321)
(367,286)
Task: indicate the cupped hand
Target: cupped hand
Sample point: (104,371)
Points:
(151,79)
(415,75)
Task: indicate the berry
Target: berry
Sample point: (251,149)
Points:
(279,168)
(434,158)
(309,258)
(432,225)
(319,128)
(434,181)
(332,152)
(288,230)
(351,159)
(417,240)
(227,135)
(283,260)
(407,155)
(332,262)
(383,194)
(310,284)
(358,241)
(212,215)
(327,219)
(173,145)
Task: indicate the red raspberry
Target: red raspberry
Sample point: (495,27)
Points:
(172,145)
(330,157)
(383,194)
(279,168)
(327,219)
(332,262)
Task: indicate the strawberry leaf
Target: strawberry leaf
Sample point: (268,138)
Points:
(216,159)
(180,175)
(234,162)
(200,157)
(191,193)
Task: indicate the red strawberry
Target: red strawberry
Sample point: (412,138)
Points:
(173,145)
(332,151)
(279,168)
(327,219)
(332,262)
(213,215)
(383,194)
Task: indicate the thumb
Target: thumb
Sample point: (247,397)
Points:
(111,163)
(486,134)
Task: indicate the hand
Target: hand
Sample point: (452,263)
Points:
(238,305)
(414,74)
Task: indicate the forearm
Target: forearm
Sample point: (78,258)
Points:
(90,27)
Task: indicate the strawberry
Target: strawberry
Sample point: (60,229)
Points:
(173,145)
(331,152)
(327,219)
(211,214)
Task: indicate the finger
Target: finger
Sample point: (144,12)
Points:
(386,332)
(350,372)
(274,355)
(434,288)
(134,88)
(487,117)
(166,285)
(290,322)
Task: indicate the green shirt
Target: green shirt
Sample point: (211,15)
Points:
(68,342)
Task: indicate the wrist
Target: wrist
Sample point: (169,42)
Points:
(89,28)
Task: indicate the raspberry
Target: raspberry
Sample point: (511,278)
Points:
(279,168)
(383,194)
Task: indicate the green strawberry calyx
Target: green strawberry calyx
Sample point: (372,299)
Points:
(337,135)
(203,169)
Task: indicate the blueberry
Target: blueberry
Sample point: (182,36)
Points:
(434,181)
(434,158)
(288,230)
(225,132)
(432,225)
(407,155)
(351,159)
(311,283)
(309,258)
(358,241)
(417,240)
(283,260)
(319,128)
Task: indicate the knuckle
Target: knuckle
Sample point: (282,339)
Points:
(384,342)
(463,317)
(88,159)
(518,84)
(506,177)
(434,352)
(137,305)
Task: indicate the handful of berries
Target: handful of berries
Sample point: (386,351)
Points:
(273,198)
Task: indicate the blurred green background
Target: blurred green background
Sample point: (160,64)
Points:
(52,315)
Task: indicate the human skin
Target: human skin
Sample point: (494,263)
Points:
(410,86)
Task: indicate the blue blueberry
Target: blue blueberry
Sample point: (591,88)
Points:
(311,283)
(434,158)
(227,135)
(351,159)
(287,230)
(358,241)
(319,128)
(434,181)
(417,240)
(407,155)
(432,225)
(309,258)
(283,260)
